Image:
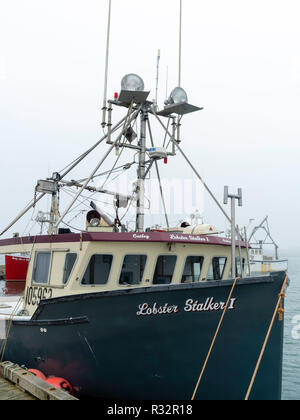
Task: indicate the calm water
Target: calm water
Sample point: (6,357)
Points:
(291,360)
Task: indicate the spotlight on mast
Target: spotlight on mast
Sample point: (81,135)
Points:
(177,103)
(132,90)
(132,82)
(177,96)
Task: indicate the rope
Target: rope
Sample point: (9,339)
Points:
(278,310)
(214,339)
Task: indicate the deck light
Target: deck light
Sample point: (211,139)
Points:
(132,82)
(177,103)
(132,90)
(177,96)
(95,222)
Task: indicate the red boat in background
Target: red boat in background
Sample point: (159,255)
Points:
(15,268)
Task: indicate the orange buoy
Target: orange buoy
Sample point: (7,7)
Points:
(38,373)
(60,383)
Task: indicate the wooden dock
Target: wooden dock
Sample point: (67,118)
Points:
(17,383)
(9,391)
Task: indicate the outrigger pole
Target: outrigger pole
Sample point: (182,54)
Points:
(30,206)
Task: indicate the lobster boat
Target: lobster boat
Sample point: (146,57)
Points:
(142,312)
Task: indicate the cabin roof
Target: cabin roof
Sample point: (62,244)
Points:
(146,237)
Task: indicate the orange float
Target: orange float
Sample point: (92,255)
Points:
(38,373)
(60,383)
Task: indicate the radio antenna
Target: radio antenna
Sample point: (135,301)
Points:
(167,82)
(157,76)
(180,44)
(104,108)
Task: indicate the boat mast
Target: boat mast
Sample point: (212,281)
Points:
(141,172)
(54,215)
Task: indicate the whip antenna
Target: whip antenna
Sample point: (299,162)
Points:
(106,67)
(167,83)
(157,76)
(180,44)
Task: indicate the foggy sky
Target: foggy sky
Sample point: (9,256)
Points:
(240,61)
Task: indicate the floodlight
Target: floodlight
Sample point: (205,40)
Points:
(177,96)
(132,82)
(177,103)
(95,222)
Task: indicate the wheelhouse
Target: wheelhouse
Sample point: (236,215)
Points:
(73,264)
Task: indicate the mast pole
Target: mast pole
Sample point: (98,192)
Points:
(234,230)
(140,210)
(233,234)
(54,215)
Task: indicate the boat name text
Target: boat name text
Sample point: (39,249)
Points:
(140,236)
(210,305)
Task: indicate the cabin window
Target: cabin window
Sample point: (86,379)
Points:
(192,269)
(133,269)
(98,270)
(216,268)
(41,267)
(69,265)
(164,270)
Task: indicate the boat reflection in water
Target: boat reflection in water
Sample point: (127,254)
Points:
(13,288)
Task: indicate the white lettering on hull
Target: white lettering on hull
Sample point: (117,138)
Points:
(210,305)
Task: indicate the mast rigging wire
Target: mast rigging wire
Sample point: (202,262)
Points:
(129,120)
(159,179)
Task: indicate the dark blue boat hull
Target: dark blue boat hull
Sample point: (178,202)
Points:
(109,345)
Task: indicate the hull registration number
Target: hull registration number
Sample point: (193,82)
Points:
(35,294)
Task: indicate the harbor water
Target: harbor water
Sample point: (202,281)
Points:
(291,359)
